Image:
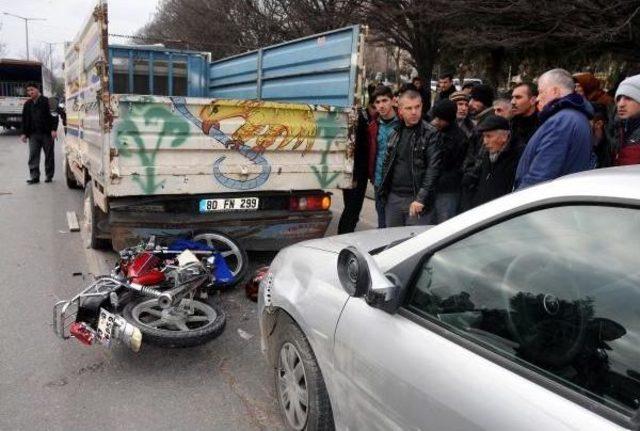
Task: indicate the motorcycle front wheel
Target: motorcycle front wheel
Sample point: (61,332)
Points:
(179,326)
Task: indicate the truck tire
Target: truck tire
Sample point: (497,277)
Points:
(91,217)
(293,352)
(145,312)
(71,179)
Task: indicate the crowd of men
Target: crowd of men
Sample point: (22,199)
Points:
(429,163)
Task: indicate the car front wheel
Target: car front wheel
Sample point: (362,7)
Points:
(302,394)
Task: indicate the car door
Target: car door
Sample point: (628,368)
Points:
(528,324)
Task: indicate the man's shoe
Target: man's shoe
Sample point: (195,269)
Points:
(33,181)
(48,180)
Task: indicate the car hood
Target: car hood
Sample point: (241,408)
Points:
(371,241)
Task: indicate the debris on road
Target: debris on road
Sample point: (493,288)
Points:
(72,221)
(244,334)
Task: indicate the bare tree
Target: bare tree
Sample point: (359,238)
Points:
(548,33)
(245,24)
(418,27)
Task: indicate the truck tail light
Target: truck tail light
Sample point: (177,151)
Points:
(310,203)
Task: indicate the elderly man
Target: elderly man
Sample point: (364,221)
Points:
(627,149)
(497,168)
(411,167)
(562,143)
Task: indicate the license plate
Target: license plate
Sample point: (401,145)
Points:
(14,119)
(105,326)
(230,204)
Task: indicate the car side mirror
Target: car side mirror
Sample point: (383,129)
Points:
(353,272)
(360,277)
(386,297)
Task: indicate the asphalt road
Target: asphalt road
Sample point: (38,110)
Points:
(51,384)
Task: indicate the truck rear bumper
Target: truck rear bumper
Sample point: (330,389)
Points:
(11,120)
(264,230)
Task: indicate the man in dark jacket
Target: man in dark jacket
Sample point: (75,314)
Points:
(498,163)
(381,125)
(353,198)
(445,86)
(411,167)
(525,115)
(425,93)
(40,127)
(626,149)
(461,99)
(562,144)
(481,106)
(453,149)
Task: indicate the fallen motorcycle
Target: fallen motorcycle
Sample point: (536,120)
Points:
(154,293)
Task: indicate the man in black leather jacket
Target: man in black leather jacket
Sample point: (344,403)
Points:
(412,165)
(40,128)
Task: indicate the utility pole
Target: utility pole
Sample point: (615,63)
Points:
(26,26)
(50,45)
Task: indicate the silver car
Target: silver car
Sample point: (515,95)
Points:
(522,314)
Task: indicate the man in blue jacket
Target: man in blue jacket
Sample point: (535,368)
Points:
(562,143)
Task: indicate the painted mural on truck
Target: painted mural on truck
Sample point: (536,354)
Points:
(255,130)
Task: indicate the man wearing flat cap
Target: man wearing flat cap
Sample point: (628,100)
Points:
(495,174)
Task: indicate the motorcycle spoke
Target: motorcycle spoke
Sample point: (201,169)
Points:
(156,323)
(182,326)
(153,312)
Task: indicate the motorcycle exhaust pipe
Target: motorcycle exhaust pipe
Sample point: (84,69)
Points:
(165,300)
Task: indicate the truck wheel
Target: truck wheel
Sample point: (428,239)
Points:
(235,256)
(172,327)
(301,391)
(91,217)
(71,179)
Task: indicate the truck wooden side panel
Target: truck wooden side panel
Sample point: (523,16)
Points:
(86,83)
(164,145)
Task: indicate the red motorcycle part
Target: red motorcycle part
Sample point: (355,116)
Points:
(150,278)
(82,333)
(143,269)
(253,285)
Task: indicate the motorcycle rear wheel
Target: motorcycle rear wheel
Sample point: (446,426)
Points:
(170,328)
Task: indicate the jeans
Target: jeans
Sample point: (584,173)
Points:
(444,207)
(397,212)
(37,143)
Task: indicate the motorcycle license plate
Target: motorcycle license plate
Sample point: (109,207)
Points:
(230,204)
(106,321)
